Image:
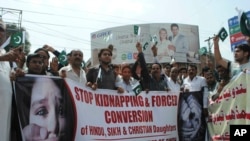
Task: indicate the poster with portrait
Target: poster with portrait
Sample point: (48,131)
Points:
(191,120)
(44,108)
(173,40)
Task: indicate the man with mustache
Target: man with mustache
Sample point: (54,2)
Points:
(74,69)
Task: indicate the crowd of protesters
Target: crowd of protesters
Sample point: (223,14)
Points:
(108,76)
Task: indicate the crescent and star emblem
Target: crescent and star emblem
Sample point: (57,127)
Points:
(63,58)
(223,34)
(137,90)
(17,39)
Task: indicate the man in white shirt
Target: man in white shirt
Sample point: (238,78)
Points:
(196,83)
(5,87)
(74,70)
(191,114)
(173,84)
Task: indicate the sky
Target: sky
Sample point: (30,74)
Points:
(67,24)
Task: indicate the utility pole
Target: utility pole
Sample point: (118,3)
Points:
(209,56)
(209,45)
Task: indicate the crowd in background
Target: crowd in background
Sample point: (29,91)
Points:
(122,78)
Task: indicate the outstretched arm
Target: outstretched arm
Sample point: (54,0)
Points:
(144,70)
(217,53)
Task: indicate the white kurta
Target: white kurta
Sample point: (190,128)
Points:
(5,100)
(174,87)
(196,85)
(72,75)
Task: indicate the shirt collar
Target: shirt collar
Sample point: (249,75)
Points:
(69,67)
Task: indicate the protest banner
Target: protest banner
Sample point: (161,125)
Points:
(67,110)
(230,108)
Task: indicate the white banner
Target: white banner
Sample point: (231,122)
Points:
(107,115)
(230,108)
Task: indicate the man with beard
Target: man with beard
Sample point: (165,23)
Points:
(103,77)
(74,69)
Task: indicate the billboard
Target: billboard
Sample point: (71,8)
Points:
(180,43)
(236,37)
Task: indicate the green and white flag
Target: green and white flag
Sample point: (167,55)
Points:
(145,46)
(83,64)
(203,51)
(153,39)
(137,88)
(17,39)
(62,58)
(222,34)
(108,37)
(137,30)
(244,23)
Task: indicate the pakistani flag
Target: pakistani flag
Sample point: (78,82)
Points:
(137,30)
(203,51)
(17,39)
(83,64)
(223,34)
(154,39)
(145,46)
(244,23)
(62,58)
(137,88)
(108,37)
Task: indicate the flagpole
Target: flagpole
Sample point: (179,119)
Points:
(24,37)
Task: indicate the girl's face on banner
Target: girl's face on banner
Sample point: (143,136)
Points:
(47,108)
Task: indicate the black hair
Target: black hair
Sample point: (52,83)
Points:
(182,69)
(174,25)
(157,64)
(192,66)
(41,49)
(74,50)
(220,66)
(168,65)
(205,69)
(244,48)
(126,66)
(104,49)
(34,55)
